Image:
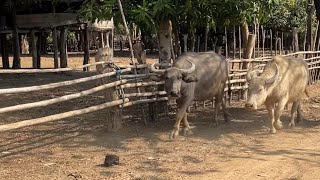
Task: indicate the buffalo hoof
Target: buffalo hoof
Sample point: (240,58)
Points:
(273,130)
(213,124)
(174,134)
(292,125)
(278,125)
(187,132)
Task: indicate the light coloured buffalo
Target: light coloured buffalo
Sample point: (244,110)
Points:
(284,80)
(195,76)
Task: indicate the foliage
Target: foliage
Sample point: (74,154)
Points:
(287,15)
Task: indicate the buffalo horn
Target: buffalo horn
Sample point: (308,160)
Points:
(275,77)
(190,70)
(159,71)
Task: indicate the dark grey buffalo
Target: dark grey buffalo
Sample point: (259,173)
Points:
(195,76)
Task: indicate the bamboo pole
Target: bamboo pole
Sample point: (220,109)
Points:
(59,84)
(60,99)
(141,101)
(7,71)
(127,31)
(132,85)
(144,94)
(54,117)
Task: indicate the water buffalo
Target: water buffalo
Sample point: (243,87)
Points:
(284,80)
(195,76)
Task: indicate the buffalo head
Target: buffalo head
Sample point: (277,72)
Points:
(173,78)
(260,86)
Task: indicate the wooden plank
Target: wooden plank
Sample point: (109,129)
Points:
(46,20)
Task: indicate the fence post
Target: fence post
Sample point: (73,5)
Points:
(113,116)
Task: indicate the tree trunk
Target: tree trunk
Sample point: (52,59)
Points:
(185,42)
(245,34)
(16,44)
(206,38)
(295,39)
(192,41)
(63,50)
(177,44)
(310,12)
(249,49)
(4,51)
(164,41)
(316,36)
(263,39)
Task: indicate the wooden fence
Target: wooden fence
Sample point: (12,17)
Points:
(128,82)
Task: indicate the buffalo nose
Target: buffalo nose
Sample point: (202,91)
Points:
(249,106)
(174,94)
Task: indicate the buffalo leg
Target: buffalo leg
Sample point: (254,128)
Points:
(179,116)
(270,108)
(217,104)
(299,113)
(293,111)
(277,113)
(187,128)
(225,111)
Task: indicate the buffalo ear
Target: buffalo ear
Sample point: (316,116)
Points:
(190,78)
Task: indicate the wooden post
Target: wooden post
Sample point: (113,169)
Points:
(39,44)
(16,44)
(86,57)
(4,51)
(112,38)
(63,50)
(113,117)
(100,36)
(34,49)
(55,48)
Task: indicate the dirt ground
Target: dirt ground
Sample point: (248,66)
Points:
(74,148)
